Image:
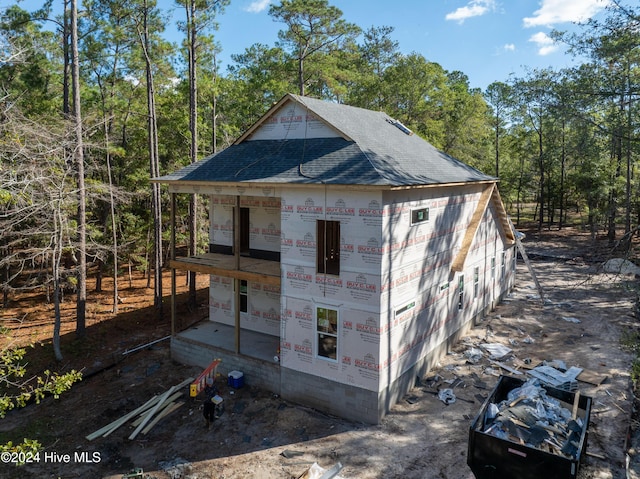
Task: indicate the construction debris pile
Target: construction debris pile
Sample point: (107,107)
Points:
(529,416)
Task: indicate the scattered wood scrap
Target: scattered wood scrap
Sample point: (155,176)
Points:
(317,472)
(148,414)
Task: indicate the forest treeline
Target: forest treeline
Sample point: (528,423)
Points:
(95,102)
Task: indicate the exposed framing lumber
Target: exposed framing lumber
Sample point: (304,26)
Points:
(188,265)
(505,221)
(472,228)
(236,280)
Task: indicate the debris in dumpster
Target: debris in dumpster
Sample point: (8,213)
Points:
(530,417)
(566,380)
(526,430)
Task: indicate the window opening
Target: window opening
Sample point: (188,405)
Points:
(244,296)
(476,281)
(419,216)
(405,308)
(327,333)
(245,226)
(461,292)
(328,247)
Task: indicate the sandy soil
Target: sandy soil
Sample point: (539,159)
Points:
(582,322)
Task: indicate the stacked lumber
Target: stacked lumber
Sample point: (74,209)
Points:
(149,414)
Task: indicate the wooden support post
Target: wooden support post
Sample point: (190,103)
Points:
(523,253)
(236,281)
(173,269)
(576,403)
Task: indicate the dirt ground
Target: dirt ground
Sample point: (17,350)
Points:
(583,322)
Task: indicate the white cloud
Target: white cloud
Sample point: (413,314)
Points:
(545,43)
(509,47)
(474,8)
(258,6)
(552,12)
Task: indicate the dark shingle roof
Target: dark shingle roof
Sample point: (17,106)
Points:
(376,153)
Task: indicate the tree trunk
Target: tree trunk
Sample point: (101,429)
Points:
(55,272)
(193,128)
(114,236)
(81,303)
(154,168)
(100,265)
(66,109)
(563,161)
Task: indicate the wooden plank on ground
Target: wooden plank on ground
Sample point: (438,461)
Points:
(172,398)
(592,377)
(153,410)
(112,426)
(109,428)
(170,407)
(505,367)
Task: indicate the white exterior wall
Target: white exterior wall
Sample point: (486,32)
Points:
(421,296)
(386,265)
(263,311)
(355,293)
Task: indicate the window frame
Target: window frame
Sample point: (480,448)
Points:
(328,247)
(476,282)
(244,296)
(329,331)
(415,212)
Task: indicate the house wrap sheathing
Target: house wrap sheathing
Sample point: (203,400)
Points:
(385,251)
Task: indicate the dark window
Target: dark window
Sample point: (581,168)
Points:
(328,247)
(476,281)
(245,225)
(461,293)
(419,216)
(243,296)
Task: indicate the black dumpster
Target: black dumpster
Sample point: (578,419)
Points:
(528,451)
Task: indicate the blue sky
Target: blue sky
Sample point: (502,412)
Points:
(486,39)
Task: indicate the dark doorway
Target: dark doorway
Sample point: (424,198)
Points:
(244,231)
